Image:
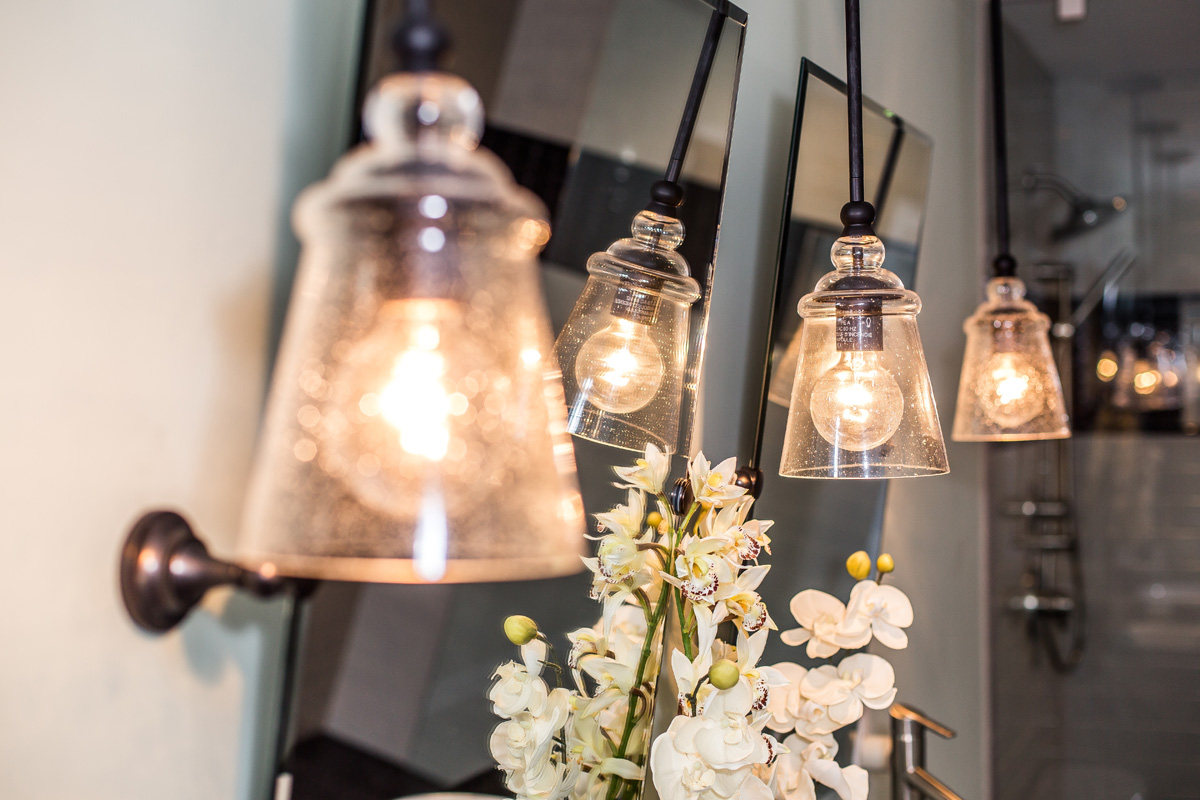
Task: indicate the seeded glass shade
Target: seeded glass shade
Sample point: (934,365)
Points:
(862,405)
(415,429)
(623,350)
(1009,390)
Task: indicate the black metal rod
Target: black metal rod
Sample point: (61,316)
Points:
(691,109)
(854,99)
(1004,265)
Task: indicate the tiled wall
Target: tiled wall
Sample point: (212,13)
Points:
(1126,723)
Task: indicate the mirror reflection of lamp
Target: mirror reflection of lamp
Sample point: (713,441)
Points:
(624,349)
(861,404)
(1009,388)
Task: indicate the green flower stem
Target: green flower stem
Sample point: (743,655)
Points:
(684,633)
(631,715)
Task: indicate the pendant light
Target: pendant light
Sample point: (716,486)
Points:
(1009,389)
(415,429)
(624,349)
(862,404)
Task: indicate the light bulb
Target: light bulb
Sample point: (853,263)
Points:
(857,405)
(1145,377)
(394,403)
(620,367)
(1106,367)
(1011,389)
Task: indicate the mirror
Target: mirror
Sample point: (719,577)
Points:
(583,103)
(897,160)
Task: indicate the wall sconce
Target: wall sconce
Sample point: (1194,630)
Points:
(415,429)
(1009,389)
(862,404)
(624,349)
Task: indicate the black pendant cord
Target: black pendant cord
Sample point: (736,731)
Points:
(858,216)
(420,40)
(1004,265)
(667,195)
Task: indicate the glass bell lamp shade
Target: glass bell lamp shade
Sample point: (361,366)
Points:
(623,351)
(415,429)
(1009,390)
(861,403)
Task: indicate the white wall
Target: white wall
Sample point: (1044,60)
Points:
(146,152)
(920,57)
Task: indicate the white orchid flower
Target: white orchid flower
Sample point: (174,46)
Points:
(551,780)
(746,538)
(790,710)
(713,487)
(610,673)
(526,739)
(727,739)
(625,519)
(649,472)
(518,689)
(883,611)
(806,762)
(760,680)
(681,773)
(821,616)
(689,675)
(700,570)
(739,601)
(860,679)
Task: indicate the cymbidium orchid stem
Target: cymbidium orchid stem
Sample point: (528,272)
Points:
(685,634)
(652,623)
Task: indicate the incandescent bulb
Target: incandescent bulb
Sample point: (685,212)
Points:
(1011,390)
(857,405)
(620,367)
(1106,367)
(395,405)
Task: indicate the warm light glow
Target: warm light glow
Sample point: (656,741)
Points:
(415,401)
(1106,367)
(1145,378)
(857,405)
(1010,391)
(400,378)
(620,367)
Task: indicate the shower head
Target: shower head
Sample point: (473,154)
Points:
(1087,213)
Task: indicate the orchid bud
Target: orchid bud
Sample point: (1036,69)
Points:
(654,519)
(885,564)
(520,630)
(724,674)
(859,565)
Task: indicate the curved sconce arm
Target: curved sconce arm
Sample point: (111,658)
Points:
(165,570)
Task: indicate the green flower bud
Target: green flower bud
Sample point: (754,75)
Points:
(885,564)
(859,565)
(520,630)
(724,674)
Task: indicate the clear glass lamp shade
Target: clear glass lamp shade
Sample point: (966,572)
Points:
(1010,389)
(415,429)
(624,348)
(861,403)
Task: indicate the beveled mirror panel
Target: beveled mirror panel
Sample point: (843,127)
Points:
(820,522)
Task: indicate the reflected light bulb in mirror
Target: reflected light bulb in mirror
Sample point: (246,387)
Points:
(620,366)
(1106,367)
(857,405)
(1145,377)
(1010,389)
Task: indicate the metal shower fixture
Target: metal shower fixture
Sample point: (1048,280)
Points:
(1087,213)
